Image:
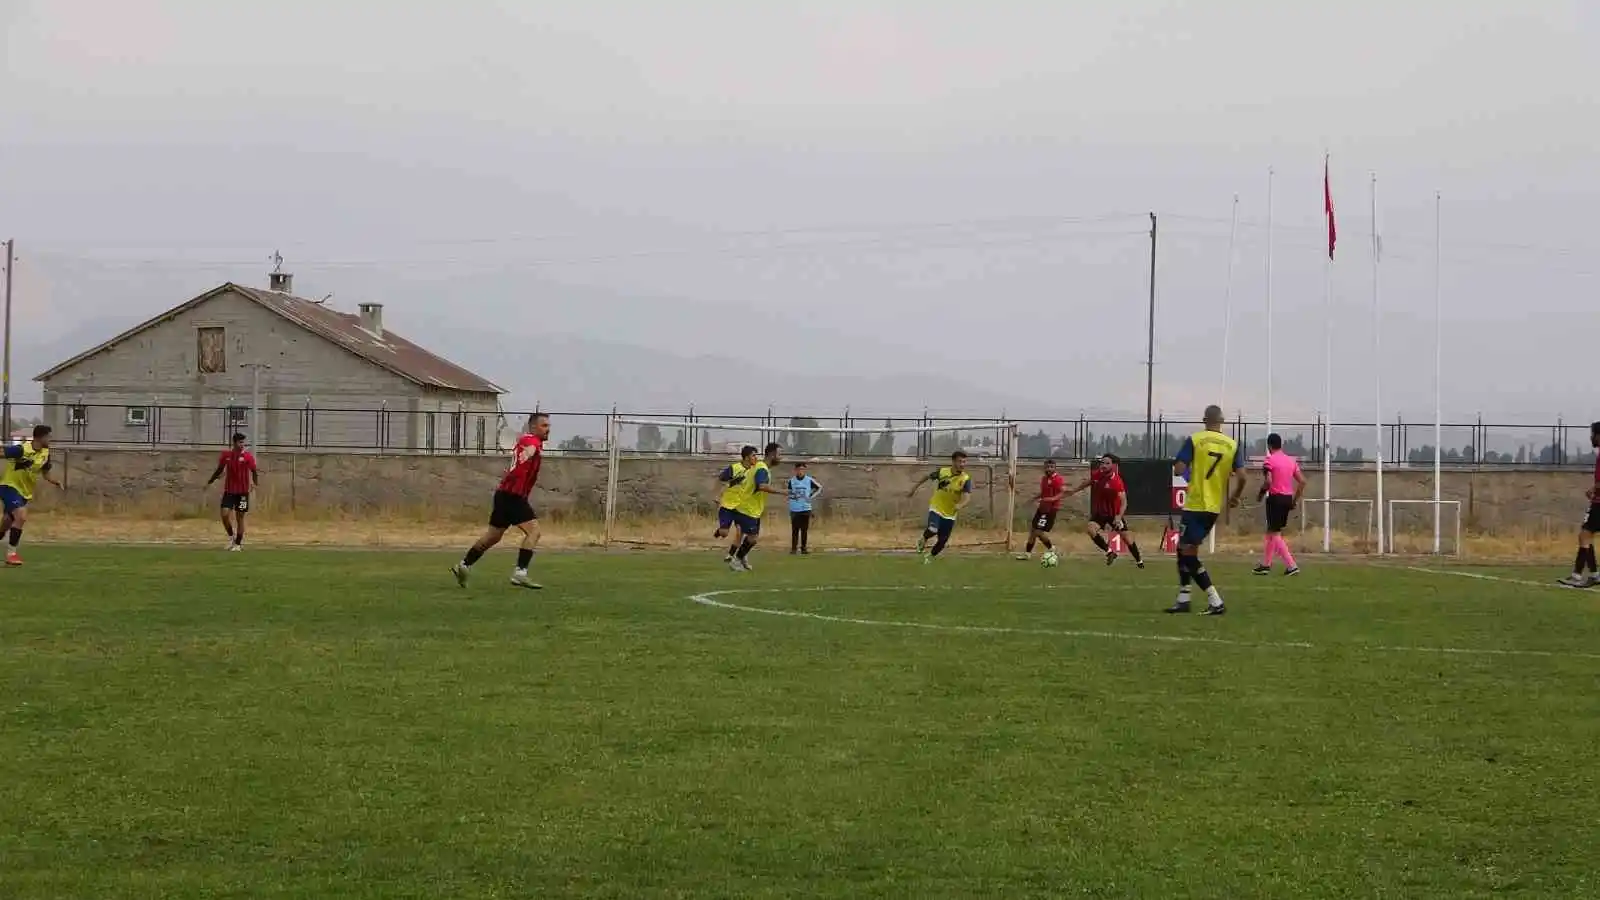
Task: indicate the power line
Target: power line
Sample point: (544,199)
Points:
(1390,236)
(523,237)
(885,246)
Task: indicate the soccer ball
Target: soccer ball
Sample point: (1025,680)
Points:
(1050,560)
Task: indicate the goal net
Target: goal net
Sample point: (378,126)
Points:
(1339,524)
(662,488)
(1424,527)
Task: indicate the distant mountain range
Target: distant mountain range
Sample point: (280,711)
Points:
(577,374)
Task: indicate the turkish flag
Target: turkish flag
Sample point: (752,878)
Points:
(1327,206)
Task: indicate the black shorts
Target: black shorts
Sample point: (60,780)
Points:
(510,509)
(1044,519)
(1110,523)
(237,502)
(1592,523)
(1278,508)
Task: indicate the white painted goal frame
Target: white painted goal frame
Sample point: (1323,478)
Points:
(1327,536)
(1441,504)
(1007,432)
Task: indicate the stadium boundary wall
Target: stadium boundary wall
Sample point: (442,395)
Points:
(171,484)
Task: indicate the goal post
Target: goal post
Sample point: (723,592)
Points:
(1425,538)
(661,489)
(1356,513)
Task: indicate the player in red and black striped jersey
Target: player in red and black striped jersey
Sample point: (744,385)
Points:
(237,467)
(1108,503)
(511,506)
(1585,574)
(1052,490)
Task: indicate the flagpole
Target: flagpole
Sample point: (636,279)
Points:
(1327,375)
(1269,298)
(1377,357)
(1438,369)
(1227,303)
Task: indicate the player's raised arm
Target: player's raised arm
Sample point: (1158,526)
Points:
(922,481)
(764,483)
(1184,459)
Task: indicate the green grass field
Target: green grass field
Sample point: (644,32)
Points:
(187,723)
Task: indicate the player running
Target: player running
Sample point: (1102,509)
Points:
(754,505)
(1108,506)
(734,492)
(511,506)
(1585,574)
(951,493)
(1052,490)
(1282,484)
(1210,460)
(239,465)
(25,464)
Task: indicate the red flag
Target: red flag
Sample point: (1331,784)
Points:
(1327,205)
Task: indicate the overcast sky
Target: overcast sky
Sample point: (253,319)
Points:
(843,187)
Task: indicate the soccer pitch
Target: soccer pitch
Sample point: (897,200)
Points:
(186,723)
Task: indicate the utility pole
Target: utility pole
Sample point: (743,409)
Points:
(1150,355)
(255,402)
(5,376)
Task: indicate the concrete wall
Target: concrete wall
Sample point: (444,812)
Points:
(158,369)
(165,482)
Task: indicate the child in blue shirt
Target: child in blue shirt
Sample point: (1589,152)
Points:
(802,490)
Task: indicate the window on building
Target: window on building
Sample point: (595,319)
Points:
(138,415)
(238,415)
(212,356)
(77,414)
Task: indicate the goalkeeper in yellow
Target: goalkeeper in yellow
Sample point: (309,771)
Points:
(24,464)
(1214,465)
(952,491)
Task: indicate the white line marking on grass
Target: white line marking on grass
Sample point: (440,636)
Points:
(709,599)
(1479,576)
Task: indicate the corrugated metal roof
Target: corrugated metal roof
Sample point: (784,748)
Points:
(390,351)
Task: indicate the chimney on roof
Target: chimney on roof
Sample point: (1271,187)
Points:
(279,280)
(372,318)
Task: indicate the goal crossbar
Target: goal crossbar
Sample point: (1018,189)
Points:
(615,424)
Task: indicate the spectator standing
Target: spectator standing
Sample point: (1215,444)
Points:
(803,489)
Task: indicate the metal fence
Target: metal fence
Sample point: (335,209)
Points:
(847,435)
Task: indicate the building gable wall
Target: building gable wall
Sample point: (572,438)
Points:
(159,369)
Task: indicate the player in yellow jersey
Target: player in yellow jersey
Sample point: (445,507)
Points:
(951,493)
(754,505)
(25,464)
(1214,464)
(735,490)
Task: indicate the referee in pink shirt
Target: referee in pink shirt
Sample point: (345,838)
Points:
(1282,486)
